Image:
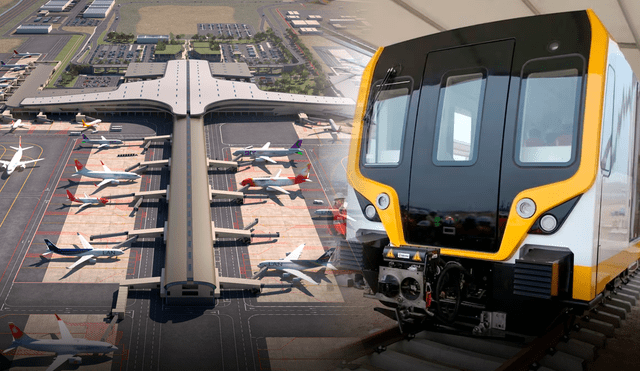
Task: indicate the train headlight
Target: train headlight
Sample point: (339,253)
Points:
(383,201)
(370,212)
(526,208)
(548,223)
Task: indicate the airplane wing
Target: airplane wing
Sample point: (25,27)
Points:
(30,161)
(103,138)
(83,206)
(106,145)
(276,188)
(84,242)
(60,359)
(105,168)
(278,175)
(64,331)
(300,275)
(4,163)
(106,181)
(266,145)
(295,254)
(267,158)
(80,261)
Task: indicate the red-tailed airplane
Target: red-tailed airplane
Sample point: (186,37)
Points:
(87,201)
(275,183)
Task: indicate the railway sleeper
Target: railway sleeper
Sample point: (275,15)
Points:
(635,293)
(596,325)
(500,349)
(612,309)
(607,317)
(563,361)
(392,360)
(578,348)
(590,337)
(448,355)
(628,298)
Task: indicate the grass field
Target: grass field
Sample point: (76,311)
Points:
(8,45)
(65,56)
(171,49)
(88,30)
(182,17)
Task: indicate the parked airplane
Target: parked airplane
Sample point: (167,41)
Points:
(262,154)
(15,124)
(15,162)
(292,266)
(108,175)
(5,85)
(93,124)
(87,253)
(274,183)
(65,348)
(27,54)
(87,201)
(14,67)
(103,142)
(7,78)
(334,128)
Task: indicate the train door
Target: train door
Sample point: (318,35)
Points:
(455,170)
(615,169)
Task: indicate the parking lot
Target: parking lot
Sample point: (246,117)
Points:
(119,53)
(264,52)
(235,30)
(80,21)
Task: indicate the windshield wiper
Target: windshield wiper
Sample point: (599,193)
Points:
(374,97)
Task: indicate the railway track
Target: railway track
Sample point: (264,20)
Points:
(571,345)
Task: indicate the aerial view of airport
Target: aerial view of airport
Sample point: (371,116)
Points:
(242,185)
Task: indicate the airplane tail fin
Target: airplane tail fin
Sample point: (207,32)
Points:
(51,246)
(15,51)
(17,335)
(297,144)
(79,166)
(84,137)
(71,197)
(2,63)
(304,172)
(325,257)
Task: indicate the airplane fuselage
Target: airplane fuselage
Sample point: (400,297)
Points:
(111,175)
(94,252)
(299,265)
(267,152)
(74,346)
(15,160)
(266,182)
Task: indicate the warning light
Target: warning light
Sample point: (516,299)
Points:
(390,254)
(416,257)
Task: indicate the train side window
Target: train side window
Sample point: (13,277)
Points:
(458,120)
(548,111)
(386,128)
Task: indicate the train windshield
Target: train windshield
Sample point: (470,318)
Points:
(548,112)
(386,128)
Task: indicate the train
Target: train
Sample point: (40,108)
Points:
(494,173)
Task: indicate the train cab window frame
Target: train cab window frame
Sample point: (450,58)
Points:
(390,101)
(549,137)
(455,120)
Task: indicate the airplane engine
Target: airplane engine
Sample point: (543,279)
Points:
(286,275)
(296,280)
(92,261)
(20,168)
(75,360)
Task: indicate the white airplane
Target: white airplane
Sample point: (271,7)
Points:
(108,175)
(27,54)
(5,85)
(7,78)
(334,128)
(93,124)
(275,183)
(87,253)
(292,266)
(87,201)
(65,348)
(262,154)
(15,124)
(103,142)
(14,67)
(15,162)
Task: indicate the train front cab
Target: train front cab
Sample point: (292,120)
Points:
(505,158)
